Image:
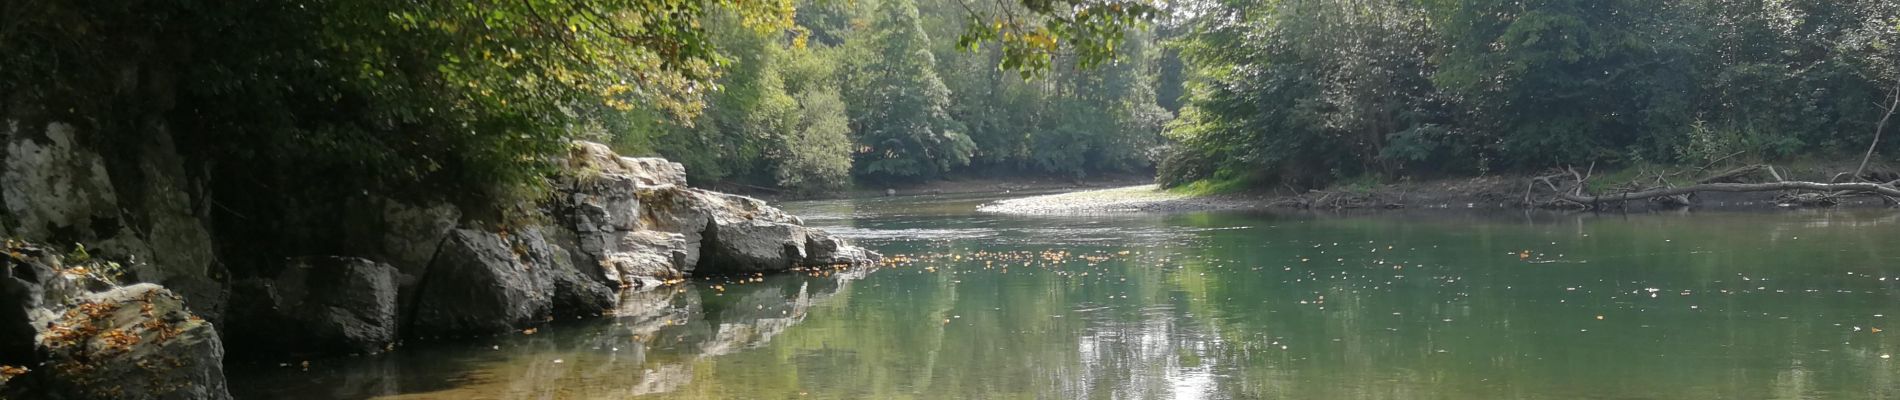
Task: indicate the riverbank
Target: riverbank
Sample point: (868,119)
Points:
(959,185)
(1496,192)
(1137,198)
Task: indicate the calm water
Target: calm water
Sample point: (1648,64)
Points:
(1225,306)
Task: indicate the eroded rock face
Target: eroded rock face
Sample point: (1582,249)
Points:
(55,189)
(134,342)
(318,305)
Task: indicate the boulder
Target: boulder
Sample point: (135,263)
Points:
(753,246)
(822,249)
(317,304)
(134,342)
(483,283)
(478,284)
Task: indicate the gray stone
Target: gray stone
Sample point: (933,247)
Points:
(575,292)
(596,158)
(134,342)
(822,249)
(28,286)
(479,284)
(57,189)
(650,254)
(412,233)
(753,246)
(318,304)
(50,183)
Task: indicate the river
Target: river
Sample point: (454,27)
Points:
(1388,305)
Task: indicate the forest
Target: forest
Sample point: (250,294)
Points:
(1307,93)
(1294,93)
(809,97)
(899,91)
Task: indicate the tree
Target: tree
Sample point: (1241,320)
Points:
(817,155)
(900,106)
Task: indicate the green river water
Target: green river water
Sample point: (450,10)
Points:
(1393,305)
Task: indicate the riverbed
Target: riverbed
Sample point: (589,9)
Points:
(1221,305)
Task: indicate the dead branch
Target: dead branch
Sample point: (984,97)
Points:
(1852,187)
(1662,191)
(1892,106)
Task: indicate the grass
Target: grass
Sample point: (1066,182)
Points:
(1213,186)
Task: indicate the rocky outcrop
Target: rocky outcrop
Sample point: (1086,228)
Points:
(133,342)
(55,189)
(641,224)
(620,223)
(76,335)
(407,270)
(317,305)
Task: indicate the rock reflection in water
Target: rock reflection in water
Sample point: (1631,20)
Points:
(649,347)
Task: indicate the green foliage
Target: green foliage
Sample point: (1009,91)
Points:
(1032,33)
(293,113)
(1305,92)
(915,105)
(1213,186)
(899,106)
(817,156)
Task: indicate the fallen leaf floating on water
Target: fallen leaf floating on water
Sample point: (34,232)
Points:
(530,331)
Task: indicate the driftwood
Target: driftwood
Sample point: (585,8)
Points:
(1838,188)
(1572,195)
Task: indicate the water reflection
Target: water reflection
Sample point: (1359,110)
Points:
(1228,306)
(651,346)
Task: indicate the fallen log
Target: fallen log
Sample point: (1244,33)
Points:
(1843,188)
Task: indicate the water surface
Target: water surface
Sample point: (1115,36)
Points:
(1394,305)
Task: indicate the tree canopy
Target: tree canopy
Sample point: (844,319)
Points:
(1306,92)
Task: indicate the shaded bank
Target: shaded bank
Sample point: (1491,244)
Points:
(412,272)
